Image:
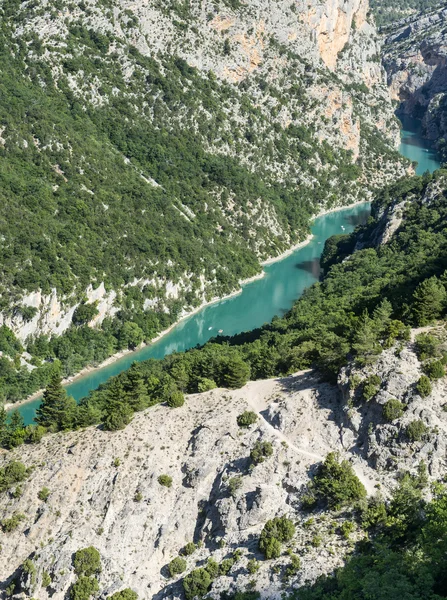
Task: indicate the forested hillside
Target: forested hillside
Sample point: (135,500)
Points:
(293,487)
(152,156)
(389,11)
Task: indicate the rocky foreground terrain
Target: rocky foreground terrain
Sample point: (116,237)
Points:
(103,488)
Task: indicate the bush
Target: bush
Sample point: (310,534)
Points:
(189,549)
(205,385)
(165,480)
(212,567)
(126,594)
(87,561)
(423,386)
(226,566)
(84,588)
(247,418)
(336,483)
(44,494)
(294,566)
(427,346)
(347,528)
(177,566)
(371,386)
(276,531)
(416,430)
(392,409)
(234,484)
(261,451)
(435,369)
(253,566)
(12,523)
(196,583)
(13,473)
(176,399)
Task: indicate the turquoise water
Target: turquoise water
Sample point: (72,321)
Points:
(414,147)
(260,300)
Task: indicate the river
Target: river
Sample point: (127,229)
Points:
(260,300)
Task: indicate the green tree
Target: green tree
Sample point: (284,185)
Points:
(423,386)
(117,412)
(84,588)
(429,299)
(57,410)
(336,483)
(435,369)
(177,566)
(261,451)
(416,430)
(392,409)
(87,561)
(275,532)
(237,373)
(126,594)
(196,584)
(247,418)
(365,341)
(175,399)
(130,335)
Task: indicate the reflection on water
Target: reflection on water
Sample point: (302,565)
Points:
(415,147)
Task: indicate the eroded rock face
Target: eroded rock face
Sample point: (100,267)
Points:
(415,53)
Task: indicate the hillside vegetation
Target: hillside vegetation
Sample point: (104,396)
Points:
(137,182)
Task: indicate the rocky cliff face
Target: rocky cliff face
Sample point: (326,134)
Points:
(415,52)
(104,489)
(299,65)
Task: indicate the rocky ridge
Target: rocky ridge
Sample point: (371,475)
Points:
(104,488)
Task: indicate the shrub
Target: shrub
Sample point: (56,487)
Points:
(347,528)
(46,579)
(336,483)
(247,418)
(234,484)
(371,386)
(294,566)
(165,480)
(126,594)
(44,494)
(204,384)
(226,565)
(138,497)
(276,531)
(392,409)
(416,430)
(196,583)
(12,523)
(212,567)
(435,369)
(14,472)
(177,566)
(84,588)
(261,451)
(253,566)
(87,561)
(189,549)
(427,346)
(423,386)
(176,399)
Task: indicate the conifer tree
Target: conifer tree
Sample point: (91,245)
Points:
(118,412)
(57,410)
(136,390)
(429,301)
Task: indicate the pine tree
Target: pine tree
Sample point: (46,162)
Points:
(57,410)
(365,339)
(382,316)
(237,372)
(118,413)
(136,390)
(429,301)
(3,419)
(15,430)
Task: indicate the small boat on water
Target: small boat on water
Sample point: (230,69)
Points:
(209,328)
(220,330)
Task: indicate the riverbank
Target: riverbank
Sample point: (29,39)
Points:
(124,357)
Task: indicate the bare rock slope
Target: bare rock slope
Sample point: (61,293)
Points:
(105,492)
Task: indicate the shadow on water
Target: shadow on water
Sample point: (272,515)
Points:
(310,266)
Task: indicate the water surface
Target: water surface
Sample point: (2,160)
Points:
(415,147)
